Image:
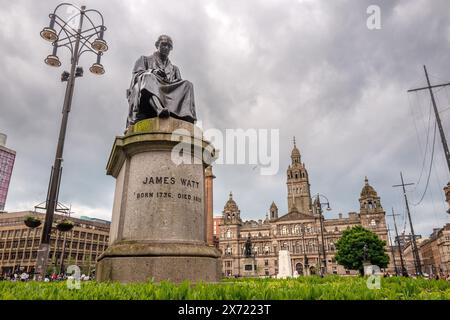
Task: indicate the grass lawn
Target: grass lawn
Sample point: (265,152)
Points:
(307,288)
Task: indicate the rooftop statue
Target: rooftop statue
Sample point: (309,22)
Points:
(156,88)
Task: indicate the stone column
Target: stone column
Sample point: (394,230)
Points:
(158,220)
(447,195)
(209,205)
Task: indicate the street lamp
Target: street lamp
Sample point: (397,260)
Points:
(319,210)
(78,41)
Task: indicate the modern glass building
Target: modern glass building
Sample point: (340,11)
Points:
(7,157)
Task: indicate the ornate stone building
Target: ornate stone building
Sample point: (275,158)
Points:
(435,252)
(447,195)
(299,230)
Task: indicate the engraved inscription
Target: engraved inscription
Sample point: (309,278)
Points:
(188,184)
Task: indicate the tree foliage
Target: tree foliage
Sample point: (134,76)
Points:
(350,249)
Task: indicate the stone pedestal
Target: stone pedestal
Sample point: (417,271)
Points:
(248,267)
(158,221)
(368,270)
(284,264)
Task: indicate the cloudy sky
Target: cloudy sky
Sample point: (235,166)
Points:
(311,69)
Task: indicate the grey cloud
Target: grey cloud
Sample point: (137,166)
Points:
(309,68)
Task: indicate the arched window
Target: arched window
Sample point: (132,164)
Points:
(228,234)
(297,229)
(373,223)
(284,230)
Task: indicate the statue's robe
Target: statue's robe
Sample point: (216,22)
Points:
(173,93)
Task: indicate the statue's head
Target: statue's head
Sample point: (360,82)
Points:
(164,44)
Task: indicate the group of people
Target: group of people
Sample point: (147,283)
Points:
(25,276)
(437,276)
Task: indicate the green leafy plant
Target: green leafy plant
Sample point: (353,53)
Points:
(32,221)
(65,225)
(301,288)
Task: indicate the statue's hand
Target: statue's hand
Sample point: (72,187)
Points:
(160,73)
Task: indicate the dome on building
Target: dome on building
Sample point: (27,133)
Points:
(295,152)
(368,190)
(231,204)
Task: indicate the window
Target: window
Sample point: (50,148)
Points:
(284,230)
(373,223)
(228,234)
(332,247)
(266,263)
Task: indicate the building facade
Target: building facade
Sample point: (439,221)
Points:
(435,252)
(299,230)
(447,195)
(81,246)
(7,158)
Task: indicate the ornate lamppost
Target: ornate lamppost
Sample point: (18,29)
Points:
(70,34)
(319,210)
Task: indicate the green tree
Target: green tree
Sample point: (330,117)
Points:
(350,249)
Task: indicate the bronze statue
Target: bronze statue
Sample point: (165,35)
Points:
(365,253)
(248,247)
(156,88)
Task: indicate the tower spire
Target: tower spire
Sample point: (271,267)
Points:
(297,183)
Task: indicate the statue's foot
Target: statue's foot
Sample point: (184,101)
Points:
(164,113)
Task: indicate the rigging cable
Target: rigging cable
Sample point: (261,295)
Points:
(420,145)
(431,165)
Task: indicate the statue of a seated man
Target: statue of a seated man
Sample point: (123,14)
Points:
(157,90)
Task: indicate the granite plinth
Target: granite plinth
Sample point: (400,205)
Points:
(158,221)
